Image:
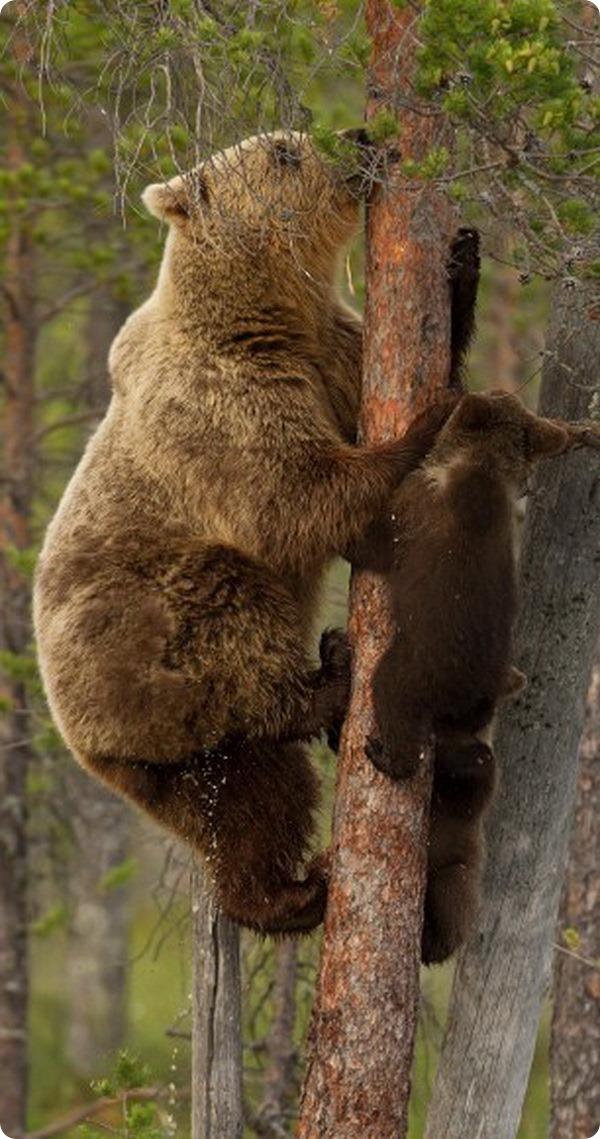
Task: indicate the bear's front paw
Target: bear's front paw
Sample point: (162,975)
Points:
(470,759)
(334,650)
(334,735)
(394,765)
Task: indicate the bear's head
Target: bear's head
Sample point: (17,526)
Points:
(497,429)
(271,206)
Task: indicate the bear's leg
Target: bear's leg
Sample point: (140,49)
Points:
(463,784)
(239,642)
(247,810)
(402,732)
(451,903)
(464,775)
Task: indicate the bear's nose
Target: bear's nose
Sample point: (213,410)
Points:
(359,136)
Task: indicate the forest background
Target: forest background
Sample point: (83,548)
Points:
(97,102)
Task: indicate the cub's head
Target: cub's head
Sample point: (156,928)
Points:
(497,428)
(270,202)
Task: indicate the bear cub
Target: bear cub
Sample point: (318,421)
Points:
(454,596)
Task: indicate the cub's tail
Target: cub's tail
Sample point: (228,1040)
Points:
(463,275)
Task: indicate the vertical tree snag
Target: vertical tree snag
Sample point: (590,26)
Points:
(504,972)
(362,1037)
(217,1110)
(280,1084)
(98,929)
(575,1039)
(16,431)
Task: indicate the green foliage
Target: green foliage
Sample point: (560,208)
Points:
(118,875)
(572,938)
(19,667)
(138,1119)
(128,1072)
(383,126)
(512,82)
(24,561)
(54,918)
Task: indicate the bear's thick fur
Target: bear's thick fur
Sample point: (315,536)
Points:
(454,598)
(179,579)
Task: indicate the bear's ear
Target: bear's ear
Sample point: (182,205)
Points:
(167,200)
(474,413)
(546,438)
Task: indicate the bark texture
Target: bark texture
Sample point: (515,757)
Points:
(16,432)
(217,1110)
(575,1039)
(362,1037)
(503,974)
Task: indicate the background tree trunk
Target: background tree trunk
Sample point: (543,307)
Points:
(279,1083)
(217,1109)
(98,927)
(99,923)
(362,1037)
(575,1039)
(16,431)
(503,974)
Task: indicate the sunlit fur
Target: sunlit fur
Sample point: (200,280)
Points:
(178,583)
(454,598)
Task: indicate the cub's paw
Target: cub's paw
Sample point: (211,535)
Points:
(334,736)
(320,866)
(436,945)
(467,759)
(334,680)
(393,765)
(423,429)
(334,650)
(516,681)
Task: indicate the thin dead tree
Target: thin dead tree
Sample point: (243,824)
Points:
(98,928)
(575,1037)
(280,1084)
(362,1037)
(217,1109)
(16,488)
(504,973)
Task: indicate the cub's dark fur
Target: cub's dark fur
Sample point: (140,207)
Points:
(454,596)
(179,580)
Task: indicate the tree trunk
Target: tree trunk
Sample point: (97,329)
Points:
(575,1039)
(98,926)
(16,431)
(280,1077)
(99,923)
(503,974)
(217,1109)
(362,1036)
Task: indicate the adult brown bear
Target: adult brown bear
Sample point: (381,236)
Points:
(179,579)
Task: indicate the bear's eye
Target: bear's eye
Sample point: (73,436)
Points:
(286,155)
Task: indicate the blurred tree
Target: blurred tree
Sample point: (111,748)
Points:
(502,974)
(16,489)
(99,901)
(575,1040)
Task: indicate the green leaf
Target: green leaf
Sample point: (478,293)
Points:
(118,875)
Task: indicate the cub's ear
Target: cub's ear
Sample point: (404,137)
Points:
(474,413)
(546,438)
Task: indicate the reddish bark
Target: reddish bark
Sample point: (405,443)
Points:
(362,1036)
